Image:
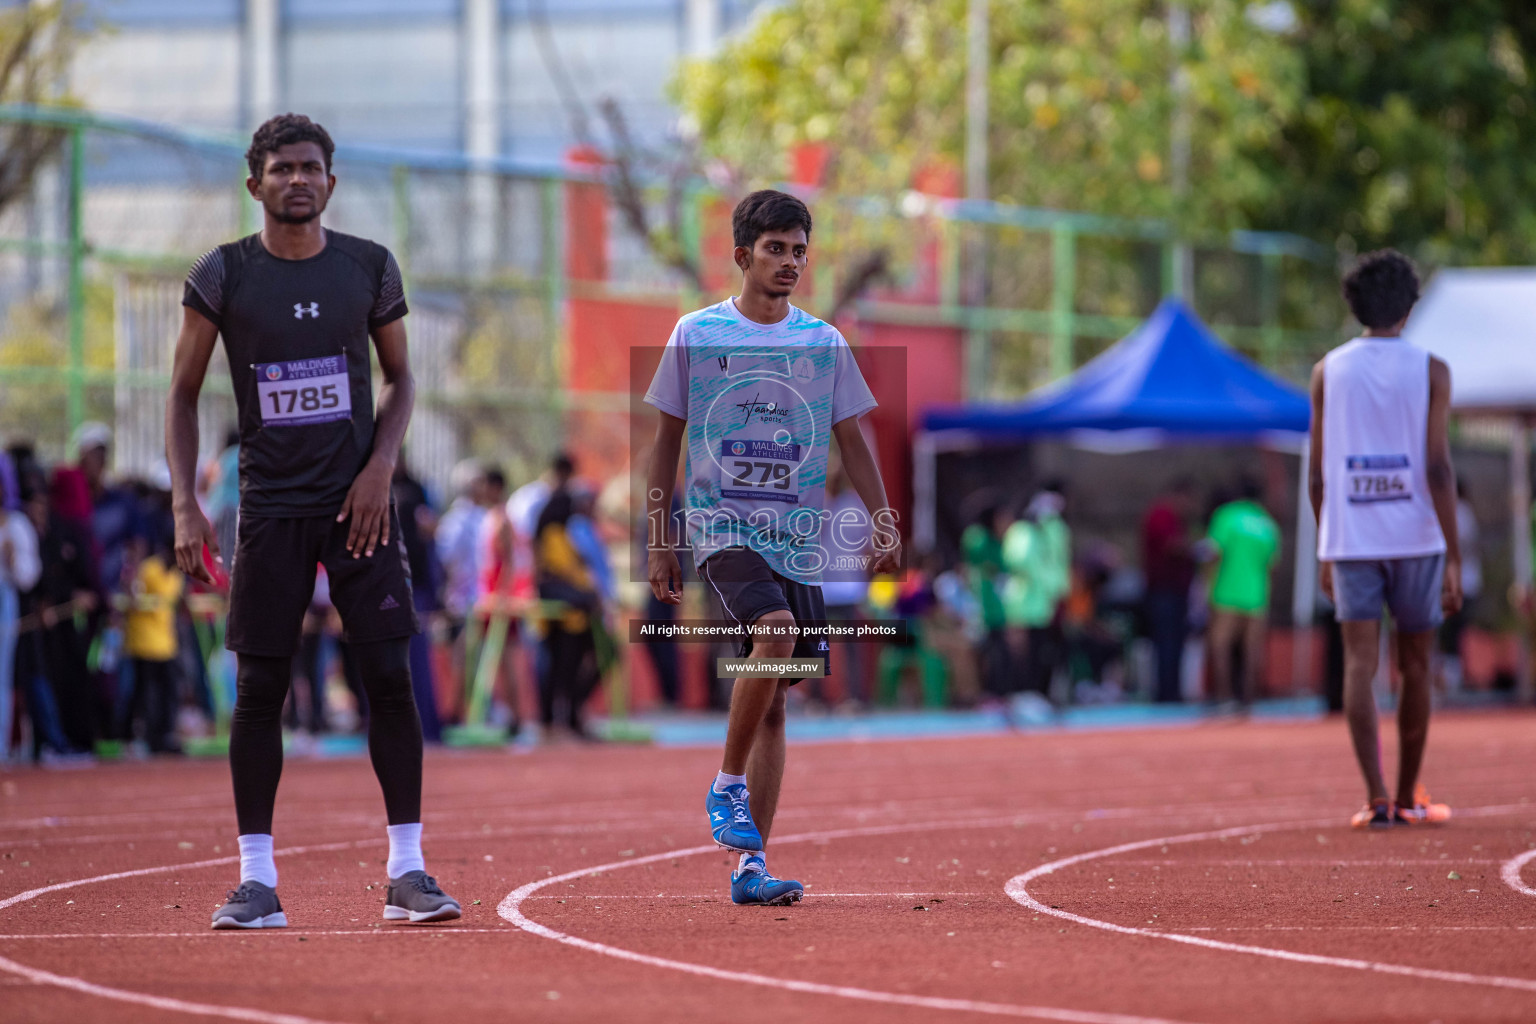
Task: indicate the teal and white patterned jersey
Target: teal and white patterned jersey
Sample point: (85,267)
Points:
(760,401)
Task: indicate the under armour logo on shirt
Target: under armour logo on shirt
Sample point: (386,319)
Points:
(300,310)
(389,603)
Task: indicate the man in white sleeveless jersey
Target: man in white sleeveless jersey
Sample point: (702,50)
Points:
(1384,494)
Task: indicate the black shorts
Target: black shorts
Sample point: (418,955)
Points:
(272,580)
(749,589)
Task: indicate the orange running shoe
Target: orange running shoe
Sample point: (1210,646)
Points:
(1378,815)
(1423,812)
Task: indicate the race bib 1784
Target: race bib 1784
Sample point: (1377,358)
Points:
(304,391)
(1377,478)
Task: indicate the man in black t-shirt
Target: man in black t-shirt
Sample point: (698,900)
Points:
(297,306)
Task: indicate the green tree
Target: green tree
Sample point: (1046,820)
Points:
(37,41)
(1080,92)
(1417,129)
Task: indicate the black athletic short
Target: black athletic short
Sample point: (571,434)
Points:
(750,589)
(272,581)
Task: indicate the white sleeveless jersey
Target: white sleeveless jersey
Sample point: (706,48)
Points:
(1376,501)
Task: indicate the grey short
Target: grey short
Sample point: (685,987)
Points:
(1409,587)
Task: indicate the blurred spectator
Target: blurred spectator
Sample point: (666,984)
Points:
(1168,563)
(150,639)
(847,534)
(1245,544)
(527,502)
(506,585)
(9,483)
(221,492)
(418,524)
(568,590)
(66,592)
(458,539)
(1092,642)
(1449,667)
(1037,554)
(911,599)
(981,554)
(662,651)
(309,666)
(19,571)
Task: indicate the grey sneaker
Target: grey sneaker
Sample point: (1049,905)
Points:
(253,905)
(415,896)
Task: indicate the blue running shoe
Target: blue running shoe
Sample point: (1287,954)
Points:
(731,820)
(758,888)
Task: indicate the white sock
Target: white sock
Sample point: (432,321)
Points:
(722,780)
(761,865)
(404,849)
(256,863)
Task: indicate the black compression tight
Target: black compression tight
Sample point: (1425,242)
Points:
(394,732)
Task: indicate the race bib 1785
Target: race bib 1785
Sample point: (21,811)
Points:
(304,391)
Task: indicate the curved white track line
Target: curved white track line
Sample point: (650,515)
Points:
(1509,871)
(156,1002)
(1017,888)
(121,995)
(510,909)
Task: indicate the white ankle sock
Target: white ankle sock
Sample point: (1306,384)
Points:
(762,864)
(404,849)
(722,780)
(256,863)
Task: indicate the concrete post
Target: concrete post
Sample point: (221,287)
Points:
(482,128)
(262,85)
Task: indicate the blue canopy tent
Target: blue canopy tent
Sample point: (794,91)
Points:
(1171,375)
(1171,381)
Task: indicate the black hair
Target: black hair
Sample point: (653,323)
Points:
(563,465)
(495,479)
(557,510)
(285,130)
(768,210)
(1381,289)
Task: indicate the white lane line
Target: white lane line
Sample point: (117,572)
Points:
(1510,873)
(73,984)
(510,909)
(32,894)
(277,933)
(713,896)
(155,1002)
(1017,888)
(1314,862)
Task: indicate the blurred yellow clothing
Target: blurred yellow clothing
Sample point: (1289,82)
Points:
(563,576)
(149,629)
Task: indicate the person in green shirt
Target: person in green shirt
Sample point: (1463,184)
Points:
(1037,557)
(981,554)
(1245,541)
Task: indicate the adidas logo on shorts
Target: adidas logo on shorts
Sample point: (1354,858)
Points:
(389,603)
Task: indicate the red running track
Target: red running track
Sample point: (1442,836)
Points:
(1196,874)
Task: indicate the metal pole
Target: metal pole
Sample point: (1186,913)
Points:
(977,115)
(1063,296)
(400,217)
(977,57)
(1180,132)
(76,401)
(1269,305)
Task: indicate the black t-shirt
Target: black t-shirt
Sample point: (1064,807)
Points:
(297,336)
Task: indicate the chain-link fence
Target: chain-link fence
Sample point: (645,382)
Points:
(92,264)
